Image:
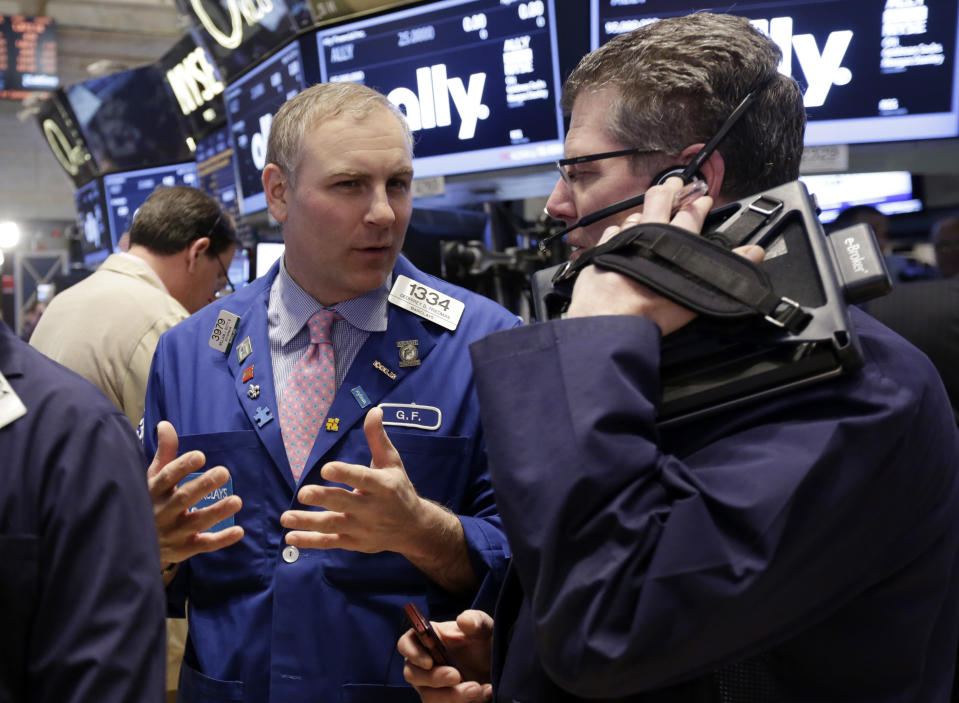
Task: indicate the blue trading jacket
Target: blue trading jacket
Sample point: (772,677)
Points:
(322,627)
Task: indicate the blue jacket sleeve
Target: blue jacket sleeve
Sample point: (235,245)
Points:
(649,560)
(99,630)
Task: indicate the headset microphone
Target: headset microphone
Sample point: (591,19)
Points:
(592,217)
(688,174)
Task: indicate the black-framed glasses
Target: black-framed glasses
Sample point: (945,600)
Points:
(226,277)
(228,284)
(561,164)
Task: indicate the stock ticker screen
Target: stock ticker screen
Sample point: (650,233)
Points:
(478,80)
(92,227)
(126,191)
(217,177)
(870,70)
(251,102)
(28,56)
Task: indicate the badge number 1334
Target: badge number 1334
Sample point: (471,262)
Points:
(426,302)
(431,297)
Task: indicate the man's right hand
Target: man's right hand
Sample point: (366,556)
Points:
(602,292)
(182,532)
(470,641)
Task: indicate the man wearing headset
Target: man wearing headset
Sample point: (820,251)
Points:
(802,548)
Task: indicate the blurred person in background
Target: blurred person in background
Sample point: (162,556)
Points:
(945,243)
(106,327)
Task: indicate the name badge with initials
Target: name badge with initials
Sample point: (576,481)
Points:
(428,303)
(210,498)
(224,330)
(423,417)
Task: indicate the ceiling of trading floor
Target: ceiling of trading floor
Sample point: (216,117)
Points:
(104,36)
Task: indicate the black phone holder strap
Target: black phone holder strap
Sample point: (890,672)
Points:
(694,272)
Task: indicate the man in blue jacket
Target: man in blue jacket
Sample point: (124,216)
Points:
(797,548)
(79,568)
(379,497)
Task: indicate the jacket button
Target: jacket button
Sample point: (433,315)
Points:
(290,554)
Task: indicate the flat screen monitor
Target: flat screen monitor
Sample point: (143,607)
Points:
(326,11)
(239,268)
(129,120)
(266,255)
(871,71)
(92,226)
(28,56)
(216,175)
(478,80)
(62,134)
(239,34)
(251,102)
(890,192)
(126,191)
(195,87)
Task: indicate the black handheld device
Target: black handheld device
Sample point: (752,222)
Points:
(720,359)
(427,636)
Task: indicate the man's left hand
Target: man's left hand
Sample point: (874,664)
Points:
(382,512)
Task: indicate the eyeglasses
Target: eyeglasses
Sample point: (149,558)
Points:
(687,175)
(228,284)
(561,164)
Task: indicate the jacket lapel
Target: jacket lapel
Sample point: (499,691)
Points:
(260,406)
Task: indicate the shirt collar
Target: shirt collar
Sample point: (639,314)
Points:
(367,312)
(147,269)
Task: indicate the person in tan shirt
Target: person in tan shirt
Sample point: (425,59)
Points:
(107,326)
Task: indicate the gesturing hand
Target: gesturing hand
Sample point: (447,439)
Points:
(381,512)
(181,532)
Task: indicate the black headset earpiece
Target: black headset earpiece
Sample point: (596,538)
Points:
(678,172)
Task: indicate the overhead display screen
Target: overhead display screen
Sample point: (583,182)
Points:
(328,10)
(240,33)
(129,120)
(28,55)
(870,70)
(251,102)
(890,192)
(63,136)
(126,192)
(478,80)
(217,177)
(92,228)
(194,85)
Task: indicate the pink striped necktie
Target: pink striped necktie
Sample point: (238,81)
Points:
(309,392)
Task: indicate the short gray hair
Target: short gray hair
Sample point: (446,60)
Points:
(320,102)
(677,80)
